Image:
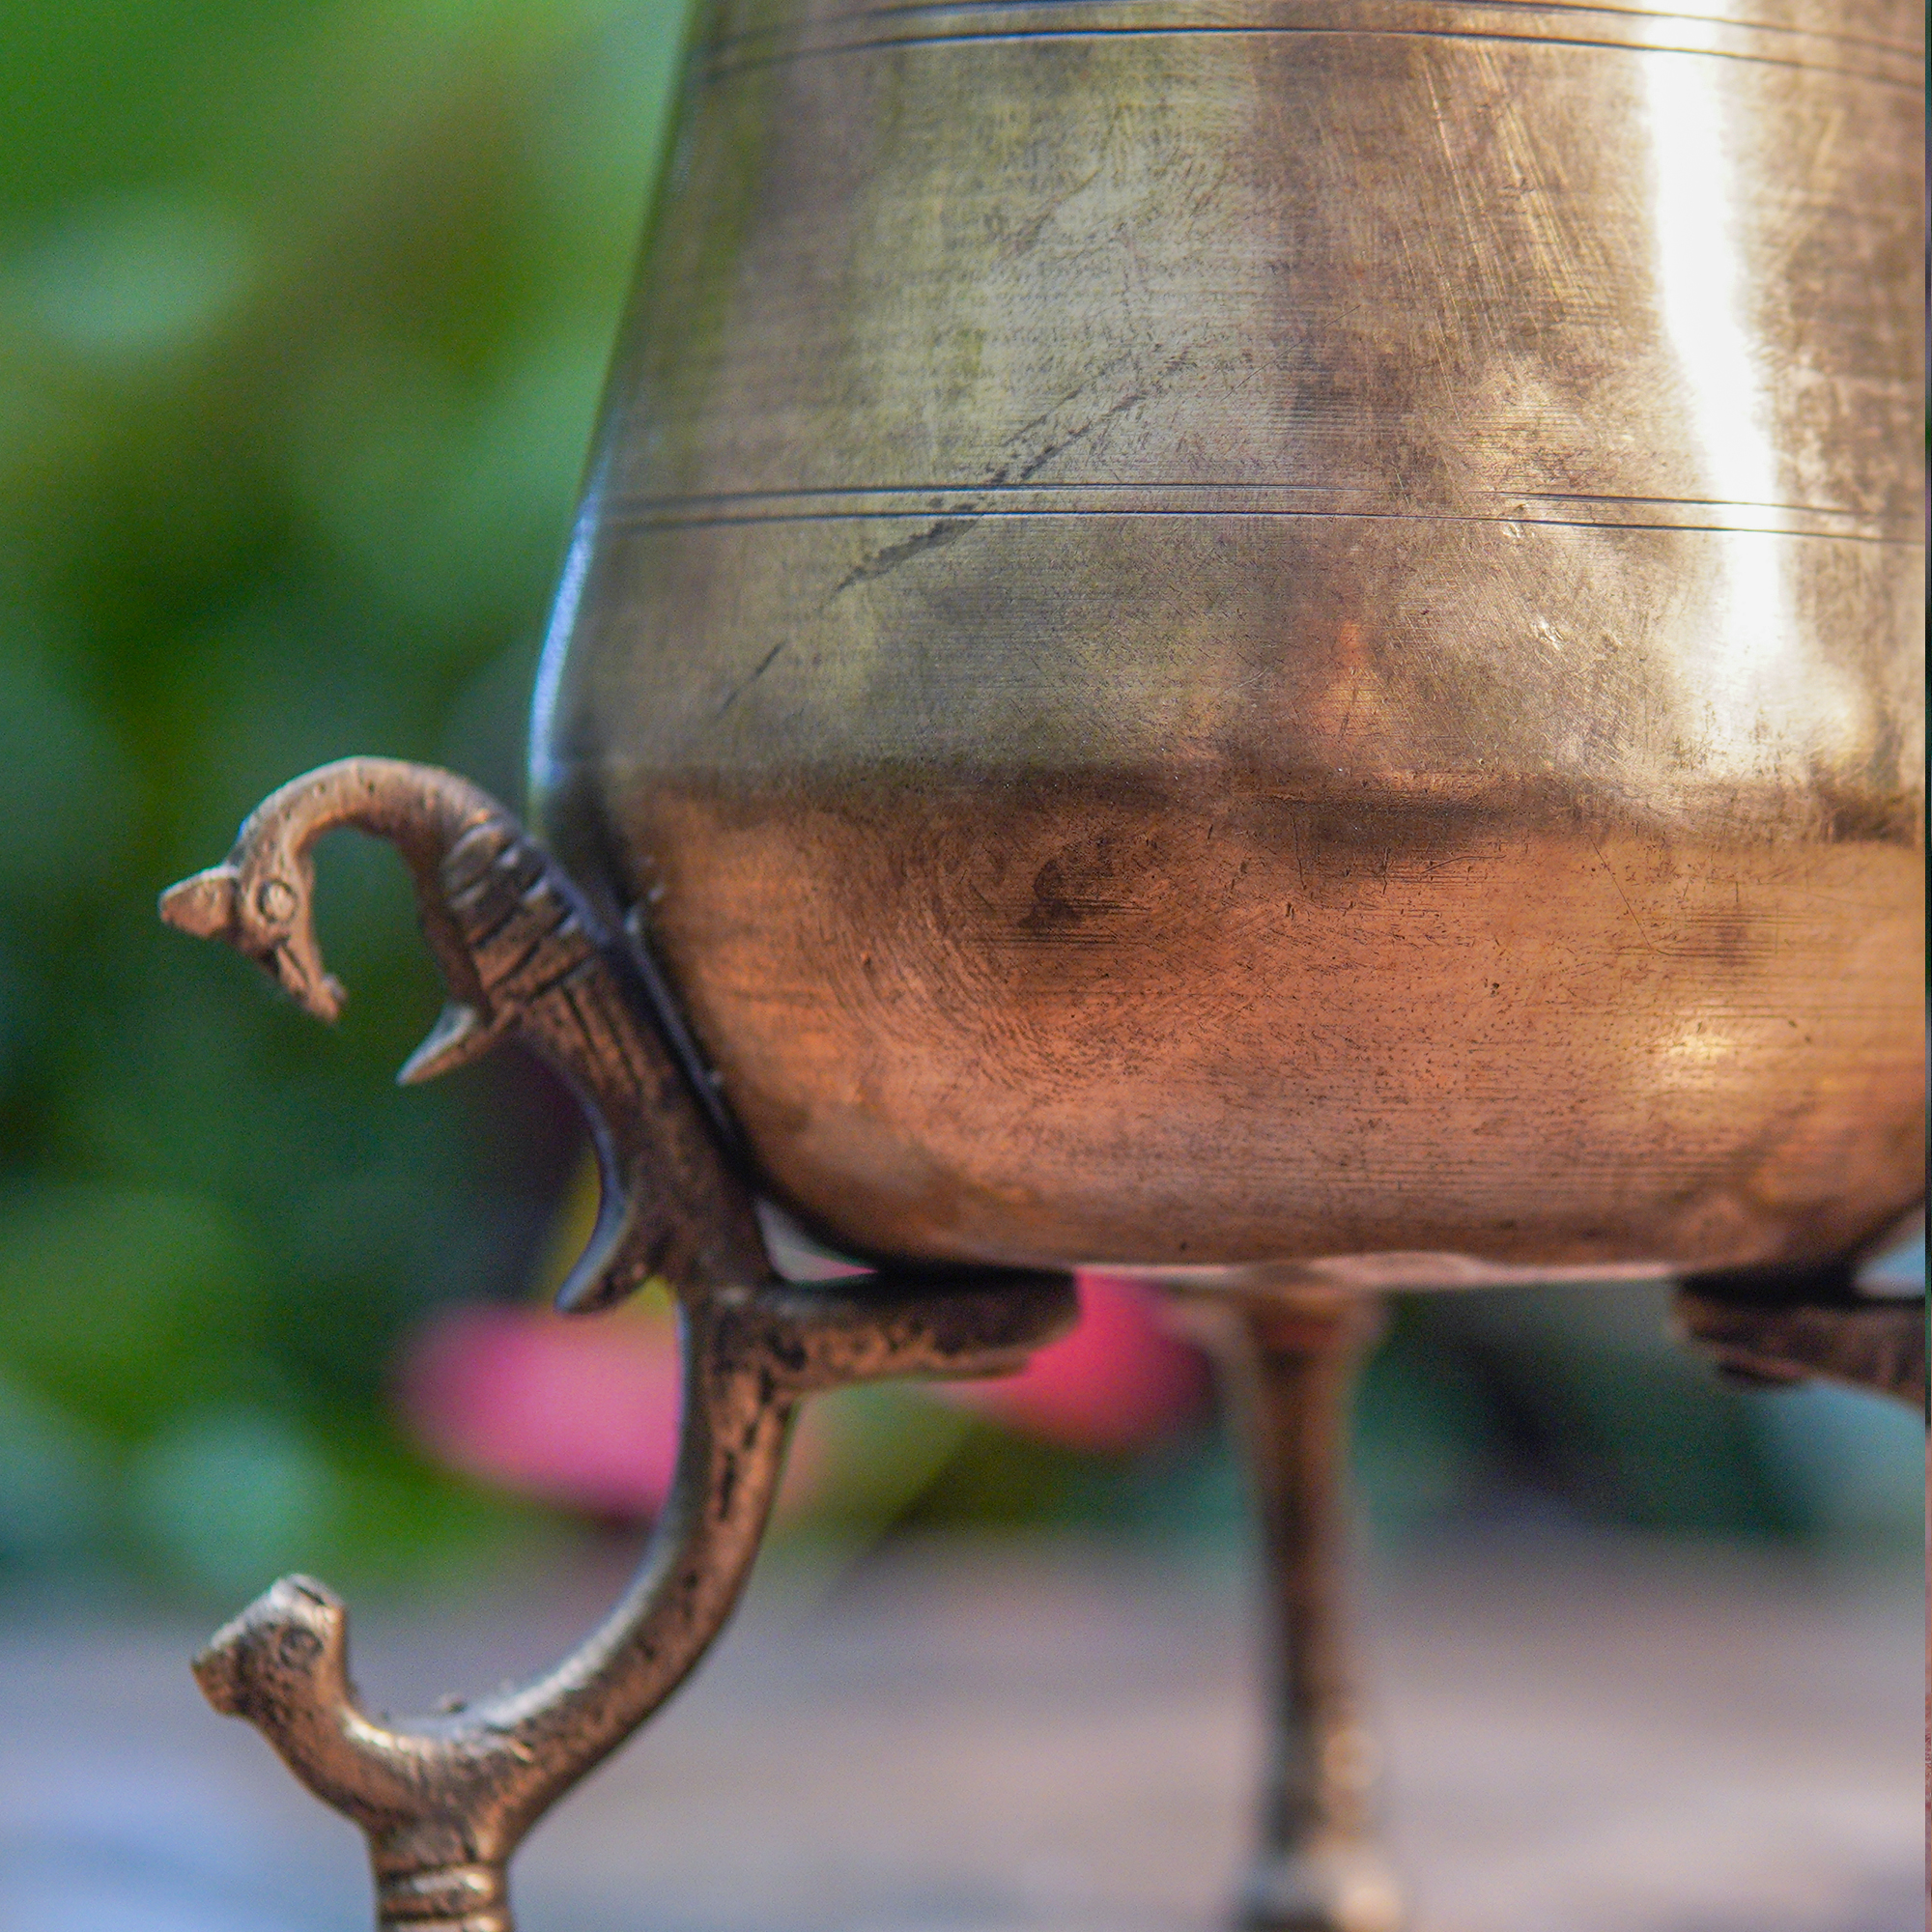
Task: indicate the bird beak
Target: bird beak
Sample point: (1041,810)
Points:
(203,905)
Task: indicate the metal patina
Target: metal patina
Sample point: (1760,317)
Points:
(1273,642)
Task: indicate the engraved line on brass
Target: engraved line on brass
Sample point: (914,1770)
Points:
(1556,8)
(729,70)
(650,521)
(941,500)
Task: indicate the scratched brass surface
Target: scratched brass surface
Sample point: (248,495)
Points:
(1264,631)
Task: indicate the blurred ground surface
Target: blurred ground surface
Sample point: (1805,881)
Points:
(1586,1735)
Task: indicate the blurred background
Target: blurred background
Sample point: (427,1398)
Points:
(304,310)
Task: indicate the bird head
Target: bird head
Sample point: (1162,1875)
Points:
(288,1649)
(259,899)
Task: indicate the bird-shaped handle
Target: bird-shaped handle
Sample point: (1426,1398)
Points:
(522,952)
(443,1800)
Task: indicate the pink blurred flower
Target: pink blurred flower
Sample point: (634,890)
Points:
(583,1412)
(1120,1381)
(577,1411)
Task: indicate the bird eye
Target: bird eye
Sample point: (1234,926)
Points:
(275,900)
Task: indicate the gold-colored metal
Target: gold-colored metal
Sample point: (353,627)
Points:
(445,1800)
(1277,631)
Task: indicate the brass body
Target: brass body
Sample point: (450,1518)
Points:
(444,1800)
(1275,634)
(1274,641)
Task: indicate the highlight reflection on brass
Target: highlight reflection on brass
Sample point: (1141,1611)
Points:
(1277,633)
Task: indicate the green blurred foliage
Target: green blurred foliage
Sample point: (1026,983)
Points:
(303,310)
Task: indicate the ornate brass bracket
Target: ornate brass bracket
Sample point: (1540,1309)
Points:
(1781,1328)
(445,1800)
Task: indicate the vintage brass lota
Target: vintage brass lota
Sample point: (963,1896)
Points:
(1271,641)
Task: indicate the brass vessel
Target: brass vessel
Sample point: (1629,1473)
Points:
(1276,631)
(1271,641)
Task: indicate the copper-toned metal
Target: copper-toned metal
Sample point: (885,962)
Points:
(1277,631)
(445,1800)
(520,952)
(1291,1368)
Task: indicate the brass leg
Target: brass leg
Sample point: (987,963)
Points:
(445,1800)
(1783,1326)
(1291,1362)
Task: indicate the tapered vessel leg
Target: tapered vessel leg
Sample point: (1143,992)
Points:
(1292,1363)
